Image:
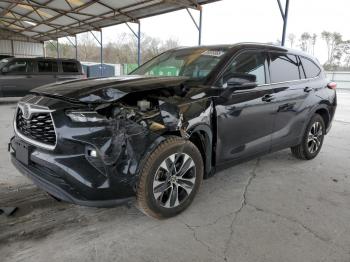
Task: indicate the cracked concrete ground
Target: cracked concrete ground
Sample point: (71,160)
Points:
(275,208)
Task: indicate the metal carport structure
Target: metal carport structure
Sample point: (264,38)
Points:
(45,20)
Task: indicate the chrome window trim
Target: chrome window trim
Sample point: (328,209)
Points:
(291,81)
(37,109)
(268,51)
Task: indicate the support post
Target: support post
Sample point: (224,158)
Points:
(57,49)
(138,37)
(101,54)
(76,47)
(44,49)
(12,49)
(139,44)
(284,15)
(285,20)
(199,24)
(101,49)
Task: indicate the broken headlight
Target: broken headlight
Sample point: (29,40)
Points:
(85,116)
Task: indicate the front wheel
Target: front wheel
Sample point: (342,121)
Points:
(170,178)
(312,141)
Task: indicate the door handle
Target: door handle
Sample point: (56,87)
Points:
(267,98)
(308,89)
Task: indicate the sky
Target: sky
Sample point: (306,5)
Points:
(231,21)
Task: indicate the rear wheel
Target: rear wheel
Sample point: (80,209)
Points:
(312,139)
(170,178)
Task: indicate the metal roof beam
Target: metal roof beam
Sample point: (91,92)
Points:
(98,41)
(112,16)
(31,20)
(59,11)
(185,3)
(281,9)
(103,16)
(30,12)
(5,11)
(37,5)
(193,20)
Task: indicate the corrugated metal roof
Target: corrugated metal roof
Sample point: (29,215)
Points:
(43,20)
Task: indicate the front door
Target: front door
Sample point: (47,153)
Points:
(244,113)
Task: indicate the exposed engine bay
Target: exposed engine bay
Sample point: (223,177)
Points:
(150,111)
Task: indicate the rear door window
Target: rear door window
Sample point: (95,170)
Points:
(284,67)
(70,67)
(47,67)
(310,68)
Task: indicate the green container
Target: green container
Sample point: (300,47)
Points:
(128,68)
(165,71)
(157,71)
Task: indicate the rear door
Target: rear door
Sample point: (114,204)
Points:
(70,70)
(16,81)
(290,91)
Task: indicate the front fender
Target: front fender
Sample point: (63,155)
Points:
(205,135)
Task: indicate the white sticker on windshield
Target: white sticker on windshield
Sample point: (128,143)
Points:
(216,53)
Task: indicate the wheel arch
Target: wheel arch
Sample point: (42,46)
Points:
(324,113)
(202,137)
(321,109)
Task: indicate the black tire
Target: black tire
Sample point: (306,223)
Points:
(184,153)
(305,150)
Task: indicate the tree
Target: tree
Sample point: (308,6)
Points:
(291,39)
(304,41)
(345,50)
(313,43)
(122,50)
(334,43)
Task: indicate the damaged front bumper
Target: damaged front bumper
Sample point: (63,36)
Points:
(58,188)
(72,173)
(97,163)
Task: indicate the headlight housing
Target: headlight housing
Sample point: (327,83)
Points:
(85,116)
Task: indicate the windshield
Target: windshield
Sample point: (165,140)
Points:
(194,63)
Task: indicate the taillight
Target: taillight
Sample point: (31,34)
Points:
(332,85)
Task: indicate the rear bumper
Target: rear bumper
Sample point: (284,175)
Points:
(60,190)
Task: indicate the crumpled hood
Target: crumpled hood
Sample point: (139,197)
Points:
(111,89)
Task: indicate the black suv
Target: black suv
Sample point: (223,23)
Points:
(179,117)
(19,75)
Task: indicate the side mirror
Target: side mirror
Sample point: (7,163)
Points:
(240,83)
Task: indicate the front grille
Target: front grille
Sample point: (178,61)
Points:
(39,127)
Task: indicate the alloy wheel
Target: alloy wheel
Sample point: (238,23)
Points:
(174,180)
(315,137)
